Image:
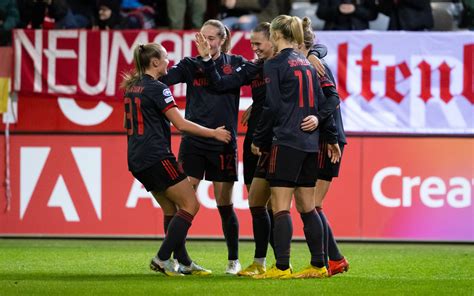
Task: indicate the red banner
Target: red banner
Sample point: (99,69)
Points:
(388,189)
(89,64)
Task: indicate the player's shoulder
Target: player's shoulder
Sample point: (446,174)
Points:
(157,87)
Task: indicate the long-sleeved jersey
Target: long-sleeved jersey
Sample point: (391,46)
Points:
(148,129)
(204,105)
(333,102)
(292,93)
(248,73)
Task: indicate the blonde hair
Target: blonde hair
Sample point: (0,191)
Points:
(223,33)
(142,55)
(308,33)
(290,27)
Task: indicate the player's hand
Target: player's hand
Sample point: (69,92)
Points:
(334,152)
(255,149)
(246,116)
(221,134)
(202,46)
(309,123)
(316,62)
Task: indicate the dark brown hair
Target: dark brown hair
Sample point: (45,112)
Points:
(308,33)
(263,27)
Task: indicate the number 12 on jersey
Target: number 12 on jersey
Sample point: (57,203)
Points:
(309,86)
(129,116)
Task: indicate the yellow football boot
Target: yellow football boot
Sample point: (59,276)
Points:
(274,273)
(253,269)
(311,272)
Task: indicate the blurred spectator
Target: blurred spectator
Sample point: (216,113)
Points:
(177,10)
(80,14)
(109,16)
(409,15)
(161,14)
(272,9)
(467,18)
(239,14)
(9,19)
(131,4)
(347,14)
(141,18)
(42,14)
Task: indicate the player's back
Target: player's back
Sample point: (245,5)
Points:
(148,129)
(292,94)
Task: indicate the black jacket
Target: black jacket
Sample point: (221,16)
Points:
(328,10)
(409,15)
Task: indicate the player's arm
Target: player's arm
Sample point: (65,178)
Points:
(186,126)
(177,73)
(327,103)
(242,76)
(264,129)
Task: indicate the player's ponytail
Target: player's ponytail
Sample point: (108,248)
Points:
(142,55)
(297,30)
(307,33)
(226,45)
(290,28)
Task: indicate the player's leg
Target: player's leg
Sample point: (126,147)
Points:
(258,197)
(335,261)
(313,228)
(158,179)
(313,231)
(221,169)
(230,223)
(284,166)
(283,231)
(320,190)
(182,194)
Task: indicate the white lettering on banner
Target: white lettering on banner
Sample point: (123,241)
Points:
(32,160)
(53,53)
(137,192)
(119,43)
(34,52)
(61,198)
(89,163)
(85,117)
(104,53)
(238,199)
(432,190)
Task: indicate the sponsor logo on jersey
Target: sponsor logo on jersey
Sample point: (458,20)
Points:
(167,92)
(169,100)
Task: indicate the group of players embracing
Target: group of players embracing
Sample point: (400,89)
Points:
(292,147)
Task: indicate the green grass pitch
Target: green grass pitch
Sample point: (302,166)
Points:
(111,267)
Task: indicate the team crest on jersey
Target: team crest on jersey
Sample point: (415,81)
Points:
(167,92)
(227,69)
